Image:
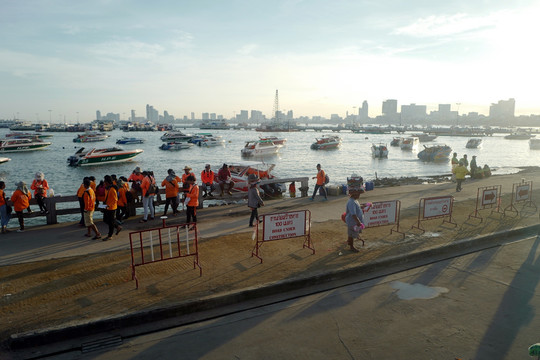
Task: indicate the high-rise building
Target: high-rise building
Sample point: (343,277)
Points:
(363,112)
(151,114)
(389,107)
(413,113)
(98,115)
(205,116)
(503,109)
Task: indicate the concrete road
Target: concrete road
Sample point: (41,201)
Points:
(478,306)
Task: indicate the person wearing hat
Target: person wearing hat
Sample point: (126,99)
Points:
(354,217)
(207,179)
(40,187)
(321,177)
(185,183)
(254,198)
(21,201)
(171,191)
(225,178)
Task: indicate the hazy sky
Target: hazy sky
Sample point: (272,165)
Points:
(221,56)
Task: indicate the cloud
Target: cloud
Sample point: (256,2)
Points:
(247,49)
(446,25)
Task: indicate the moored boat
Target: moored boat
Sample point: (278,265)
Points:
(439,152)
(176,145)
(4,160)
(23,135)
(90,137)
(473,143)
(379,150)
(18,145)
(520,135)
(409,143)
(260,148)
(423,137)
(241,170)
(175,136)
(87,157)
(129,140)
(326,142)
(211,141)
(396,141)
(274,139)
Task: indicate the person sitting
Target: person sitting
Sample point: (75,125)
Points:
(225,178)
(487,171)
(207,178)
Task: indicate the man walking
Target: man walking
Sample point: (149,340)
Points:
(321,177)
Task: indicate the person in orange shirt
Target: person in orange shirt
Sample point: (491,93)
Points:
(111,202)
(185,183)
(207,178)
(171,192)
(89,203)
(3,208)
(192,200)
(136,179)
(121,211)
(21,201)
(40,187)
(321,175)
(80,193)
(148,196)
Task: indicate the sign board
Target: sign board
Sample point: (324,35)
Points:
(381,213)
(489,197)
(441,206)
(283,226)
(522,192)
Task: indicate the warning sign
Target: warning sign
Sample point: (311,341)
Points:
(381,213)
(489,197)
(523,192)
(441,206)
(286,225)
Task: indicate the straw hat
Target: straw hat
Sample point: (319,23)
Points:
(187,168)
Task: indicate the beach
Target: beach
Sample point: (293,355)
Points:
(55,278)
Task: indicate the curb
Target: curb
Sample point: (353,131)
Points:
(130,325)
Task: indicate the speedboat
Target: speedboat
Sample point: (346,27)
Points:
(129,140)
(396,141)
(274,139)
(211,141)
(473,143)
(4,160)
(534,144)
(423,137)
(438,152)
(260,148)
(175,136)
(85,157)
(326,142)
(176,145)
(241,170)
(90,137)
(23,135)
(520,135)
(379,150)
(17,145)
(409,143)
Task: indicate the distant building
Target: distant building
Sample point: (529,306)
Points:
(413,113)
(389,107)
(152,114)
(502,110)
(363,113)
(444,114)
(98,115)
(256,116)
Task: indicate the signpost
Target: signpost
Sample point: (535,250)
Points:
(435,208)
(280,226)
(487,197)
(521,193)
(383,213)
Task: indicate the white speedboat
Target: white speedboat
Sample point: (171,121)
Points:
(326,142)
(175,136)
(409,143)
(260,148)
(396,141)
(473,143)
(423,137)
(379,150)
(520,135)
(241,170)
(435,153)
(18,145)
(274,139)
(90,137)
(211,141)
(129,140)
(4,160)
(176,145)
(87,157)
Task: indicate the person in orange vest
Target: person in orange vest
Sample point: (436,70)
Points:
(121,211)
(40,187)
(21,201)
(136,179)
(292,189)
(207,179)
(111,203)
(89,205)
(80,193)
(321,177)
(3,208)
(148,190)
(185,183)
(192,200)
(171,192)
(101,192)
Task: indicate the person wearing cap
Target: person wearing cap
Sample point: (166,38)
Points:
(354,217)
(171,192)
(321,176)
(40,187)
(191,200)
(225,178)
(254,198)
(21,201)
(207,179)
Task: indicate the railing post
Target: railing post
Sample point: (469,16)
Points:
(50,203)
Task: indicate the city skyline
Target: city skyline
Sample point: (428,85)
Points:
(68,59)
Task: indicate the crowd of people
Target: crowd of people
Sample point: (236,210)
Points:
(460,169)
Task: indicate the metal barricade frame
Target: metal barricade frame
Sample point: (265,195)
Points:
(483,200)
(422,211)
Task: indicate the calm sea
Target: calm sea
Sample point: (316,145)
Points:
(295,159)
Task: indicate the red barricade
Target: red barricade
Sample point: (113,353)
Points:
(383,213)
(280,226)
(165,243)
(435,208)
(521,193)
(487,197)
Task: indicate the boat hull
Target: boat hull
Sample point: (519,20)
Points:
(22,148)
(103,158)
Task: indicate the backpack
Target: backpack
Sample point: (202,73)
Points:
(326,179)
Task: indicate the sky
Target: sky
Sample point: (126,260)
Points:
(324,57)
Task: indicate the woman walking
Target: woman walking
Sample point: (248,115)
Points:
(254,198)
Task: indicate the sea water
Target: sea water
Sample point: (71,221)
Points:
(295,159)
